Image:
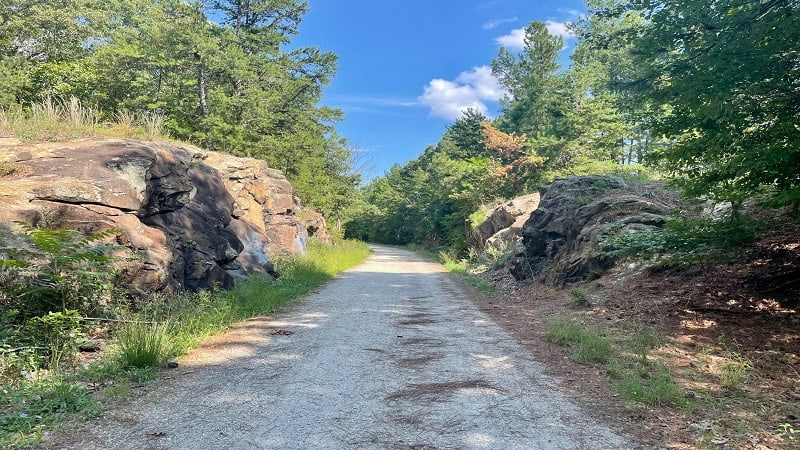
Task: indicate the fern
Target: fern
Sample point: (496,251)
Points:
(59,267)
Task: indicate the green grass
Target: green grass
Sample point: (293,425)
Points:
(462,267)
(56,119)
(33,401)
(641,341)
(651,384)
(144,344)
(635,378)
(734,370)
(578,297)
(299,275)
(586,344)
(31,406)
(657,388)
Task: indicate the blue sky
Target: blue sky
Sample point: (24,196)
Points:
(407,68)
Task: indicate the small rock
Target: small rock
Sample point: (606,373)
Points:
(90,346)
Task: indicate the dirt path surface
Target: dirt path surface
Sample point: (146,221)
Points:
(390,354)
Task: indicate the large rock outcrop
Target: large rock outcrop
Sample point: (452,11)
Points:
(561,238)
(193,218)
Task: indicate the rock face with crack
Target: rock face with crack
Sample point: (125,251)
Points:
(561,238)
(194,219)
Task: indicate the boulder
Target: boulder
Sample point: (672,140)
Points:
(193,219)
(511,214)
(315,225)
(561,239)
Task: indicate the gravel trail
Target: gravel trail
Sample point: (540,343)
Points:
(388,355)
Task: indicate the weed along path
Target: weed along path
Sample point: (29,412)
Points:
(390,354)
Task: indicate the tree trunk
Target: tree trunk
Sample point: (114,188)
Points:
(201,84)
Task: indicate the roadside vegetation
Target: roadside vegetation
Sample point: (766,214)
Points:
(71,341)
(704,392)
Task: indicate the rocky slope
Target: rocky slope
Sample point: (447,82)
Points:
(192,218)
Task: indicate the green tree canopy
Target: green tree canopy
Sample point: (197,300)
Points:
(726,74)
(221,73)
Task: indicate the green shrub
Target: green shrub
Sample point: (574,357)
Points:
(61,270)
(60,333)
(685,241)
(495,255)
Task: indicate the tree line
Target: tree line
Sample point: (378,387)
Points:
(706,94)
(220,73)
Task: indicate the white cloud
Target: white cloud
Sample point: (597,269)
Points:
(559,29)
(514,40)
(449,99)
(497,22)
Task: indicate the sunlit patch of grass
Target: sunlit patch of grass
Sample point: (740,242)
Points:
(585,344)
(650,383)
(462,267)
(55,119)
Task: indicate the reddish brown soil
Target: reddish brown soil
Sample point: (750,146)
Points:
(744,312)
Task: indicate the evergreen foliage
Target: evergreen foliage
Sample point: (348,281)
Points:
(727,76)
